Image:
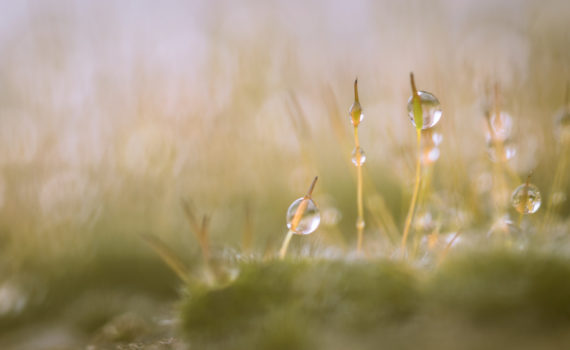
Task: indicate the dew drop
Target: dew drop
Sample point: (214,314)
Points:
(505,232)
(360,224)
(358,156)
(310,217)
(501,126)
(558,198)
(501,151)
(562,124)
(331,216)
(355,113)
(526,199)
(431,109)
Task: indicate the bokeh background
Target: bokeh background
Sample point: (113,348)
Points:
(113,112)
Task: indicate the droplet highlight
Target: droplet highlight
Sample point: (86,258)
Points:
(431,109)
(526,199)
(310,217)
(358,156)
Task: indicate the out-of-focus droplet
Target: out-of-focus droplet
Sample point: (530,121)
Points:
(310,216)
(562,124)
(526,199)
(484,182)
(430,142)
(429,156)
(358,156)
(424,222)
(501,126)
(558,198)
(12,299)
(504,226)
(360,223)
(506,233)
(431,109)
(501,151)
(330,216)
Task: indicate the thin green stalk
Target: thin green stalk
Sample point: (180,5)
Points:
(285,245)
(360,207)
(410,215)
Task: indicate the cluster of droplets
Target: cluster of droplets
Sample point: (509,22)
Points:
(431,140)
(431,110)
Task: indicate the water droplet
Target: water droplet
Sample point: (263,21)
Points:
(355,113)
(360,223)
(503,226)
(505,232)
(501,151)
(501,126)
(358,156)
(558,198)
(562,124)
(331,216)
(424,222)
(526,199)
(309,219)
(431,109)
(430,140)
(430,155)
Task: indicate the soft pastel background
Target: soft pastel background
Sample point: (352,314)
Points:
(113,112)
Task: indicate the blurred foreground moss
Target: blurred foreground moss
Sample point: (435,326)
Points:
(491,299)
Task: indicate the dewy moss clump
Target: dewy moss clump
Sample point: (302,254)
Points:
(285,304)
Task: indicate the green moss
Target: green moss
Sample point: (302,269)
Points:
(498,295)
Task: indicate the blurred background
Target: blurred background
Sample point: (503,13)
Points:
(113,112)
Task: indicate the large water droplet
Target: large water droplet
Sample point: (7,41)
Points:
(358,156)
(501,126)
(431,109)
(562,124)
(526,199)
(355,113)
(309,219)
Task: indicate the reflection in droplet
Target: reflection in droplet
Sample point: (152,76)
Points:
(431,109)
(355,113)
(358,156)
(526,199)
(310,216)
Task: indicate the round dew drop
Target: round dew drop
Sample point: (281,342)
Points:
(501,152)
(310,217)
(431,109)
(501,127)
(526,199)
(358,156)
(355,113)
